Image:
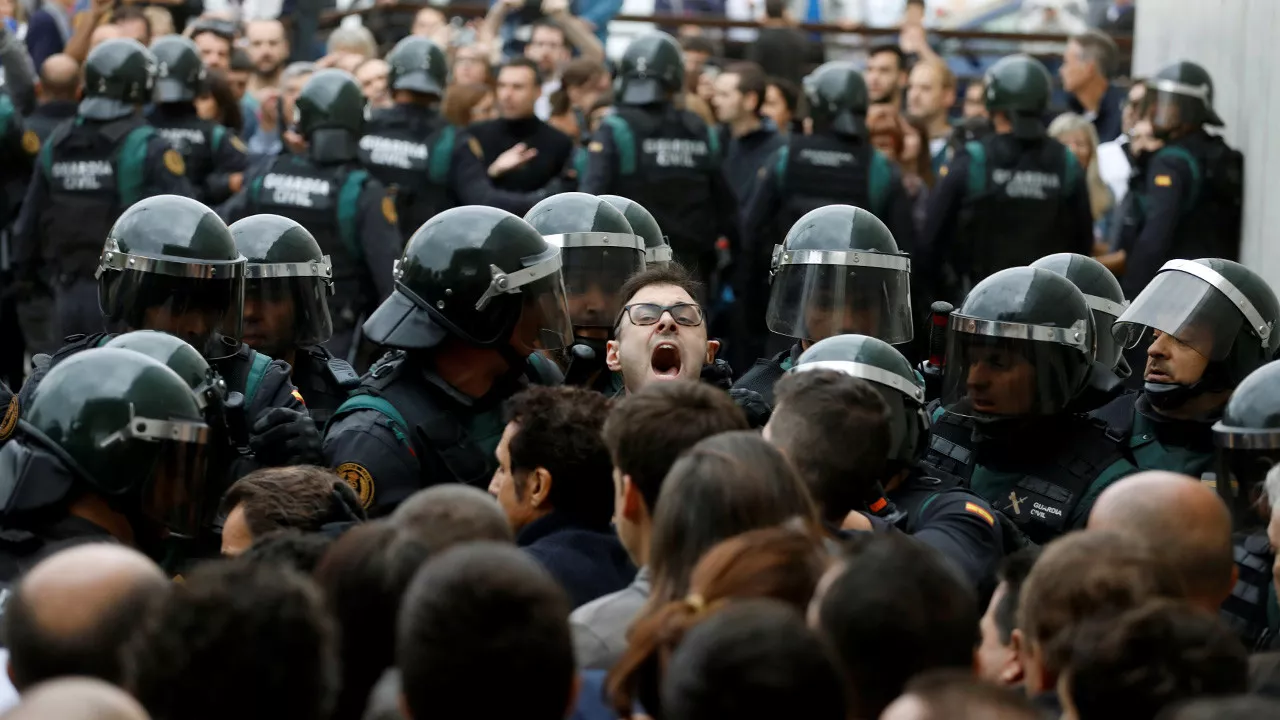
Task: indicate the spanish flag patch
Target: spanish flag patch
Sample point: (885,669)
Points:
(980,512)
(1164,181)
(298,396)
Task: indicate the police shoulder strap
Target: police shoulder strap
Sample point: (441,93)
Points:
(977,179)
(131,165)
(625,142)
(441,155)
(352,184)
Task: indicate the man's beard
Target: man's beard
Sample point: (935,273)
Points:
(270,73)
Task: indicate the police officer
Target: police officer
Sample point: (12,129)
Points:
(1102,292)
(657,253)
(478,292)
(1211,322)
(350,213)
(215,158)
(1019,351)
(87,173)
(114,445)
(1009,198)
(599,251)
(1194,185)
(662,157)
(18,147)
(286,309)
(838,271)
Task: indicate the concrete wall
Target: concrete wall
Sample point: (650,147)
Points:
(1238,42)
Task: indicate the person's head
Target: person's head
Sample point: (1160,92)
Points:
(268,46)
(1129,116)
(739,93)
(996,660)
(721,487)
(519,86)
(470,103)
(931,91)
(1183,521)
(352,40)
(552,458)
(775,9)
(892,608)
(239,72)
(1150,658)
(834,429)
(218,103)
(661,333)
(372,76)
(292,80)
(697,50)
(300,497)
(76,698)
(548,48)
(236,639)
(446,515)
(886,74)
(1090,59)
(583,82)
(485,610)
(471,66)
(957,695)
(1077,133)
(429,22)
(59,78)
(71,612)
(215,47)
(1082,576)
(975,100)
(781,99)
(290,549)
(133,23)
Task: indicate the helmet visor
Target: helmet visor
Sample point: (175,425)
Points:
(1001,377)
(175,493)
(1170,104)
(1186,307)
(286,306)
(544,316)
(866,294)
(205,312)
(594,273)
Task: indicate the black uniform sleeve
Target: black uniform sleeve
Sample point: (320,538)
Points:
(239,205)
(229,158)
(379,234)
(166,175)
(26,255)
(470,182)
(964,528)
(276,391)
(1168,190)
(365,451)
(601,163)
(934,248)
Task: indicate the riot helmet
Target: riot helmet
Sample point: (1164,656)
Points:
(598,252)
(330,113)
(651,71)
(288,281)
(419,65)
(209,388)
(1020,86)
(1020,345)
(839,271)
(879,363)
(180,73)
(118,77)
(170,264)
(838,98)
(1219,308)
(120,424)
(479,274)
(657,250)
(1180,95)
(1105,298)
(1248,440)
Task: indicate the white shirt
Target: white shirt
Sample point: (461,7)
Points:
(1114,168)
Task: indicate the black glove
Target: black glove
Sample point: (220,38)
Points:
(718,374)
(283,437)
(753,405)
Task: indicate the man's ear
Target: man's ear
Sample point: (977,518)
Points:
(612,359)
(713,347)
(538,485)
(1014,671)
(632,501)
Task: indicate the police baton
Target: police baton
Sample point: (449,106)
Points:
(936,365)
(233,410)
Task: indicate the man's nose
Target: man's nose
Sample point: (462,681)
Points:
(667,323)
(1159,345)
(978,378)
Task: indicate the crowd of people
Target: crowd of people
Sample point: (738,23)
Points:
(676,387)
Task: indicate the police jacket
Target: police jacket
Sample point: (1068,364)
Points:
(324,380)
(50,115)
(18,147)
(212,152)
(1152,441)
(955,522)
(24,542)
(408,148)
(767,372)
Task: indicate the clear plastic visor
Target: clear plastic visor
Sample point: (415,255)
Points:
(592,278)
(1186,307)
(286,312)
(815,302)
(207,313)
(544,316)
(989,377)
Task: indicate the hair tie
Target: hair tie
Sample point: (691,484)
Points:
(695,603)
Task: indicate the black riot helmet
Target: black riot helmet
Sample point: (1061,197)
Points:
(118,77)
(170,264)
(1248,440)
(419,65)
(838,98)
(657,251)
(1020,345)
(480,274)
(1020,86)
(288,281)
(1221,309)
(880,364)
(651,71)
(839,271)
(180,73)
(1180,95)
(1105,298)
(598,252)
(174,353)
(330,113)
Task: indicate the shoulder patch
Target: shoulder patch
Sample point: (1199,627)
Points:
(30,142)
(942,171)
(595,146)
(298,396)
(980,512)
(1164,181)
(173,162)
(389,210)
(476,150)
(10,418)
(238,144)
(360,480)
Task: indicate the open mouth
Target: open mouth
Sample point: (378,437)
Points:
(981,404)
(1158,377)
(665,361)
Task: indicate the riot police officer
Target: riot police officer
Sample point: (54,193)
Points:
(215,158)
(657,253)
(1102,292)
(1211,323)
(943,515)
(349,212)
(664,158)
(599,251)
(288,281)
(1019,351)
(478,292)
(113,445)
(1009,198)
(87,173)
(838,271)
(18,147)
(1193,188)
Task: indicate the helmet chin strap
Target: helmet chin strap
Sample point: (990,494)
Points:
(1171,396)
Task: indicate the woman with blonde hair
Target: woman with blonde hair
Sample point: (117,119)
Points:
(1077,133)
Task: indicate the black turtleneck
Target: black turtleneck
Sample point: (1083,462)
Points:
(555,150)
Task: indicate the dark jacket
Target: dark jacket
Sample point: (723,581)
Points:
(1107,120)
(588,563)
(745,156)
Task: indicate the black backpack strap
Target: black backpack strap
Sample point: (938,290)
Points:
(950,454)
(1083,458)
(1116,418)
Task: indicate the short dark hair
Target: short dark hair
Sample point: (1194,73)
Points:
(896,609)
(132,12)
(648,430)
(952,693)
(1013,572)
(1148,658)
(218,32)
(698,44)
(240,61)
(559,429)
(1100,49)
(754,659)
(218,86)
(892,49)
(289,548)
(834,429)
(670,274)
(301,497)
(789,91)
(485,610)
(523,62)
(774,9)
(236,639)
(751,80)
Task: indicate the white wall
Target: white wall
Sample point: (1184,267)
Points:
(1238,42)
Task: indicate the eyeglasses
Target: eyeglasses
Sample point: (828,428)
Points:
(642,314)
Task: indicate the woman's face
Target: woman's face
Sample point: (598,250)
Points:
(206,107)
(484,110)
(1078,142)
(775,108)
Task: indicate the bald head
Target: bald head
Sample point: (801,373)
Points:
(1183,521)
(76,699)
(59,78)
(71,612)
(447,515)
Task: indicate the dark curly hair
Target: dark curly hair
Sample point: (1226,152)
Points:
(300,497)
